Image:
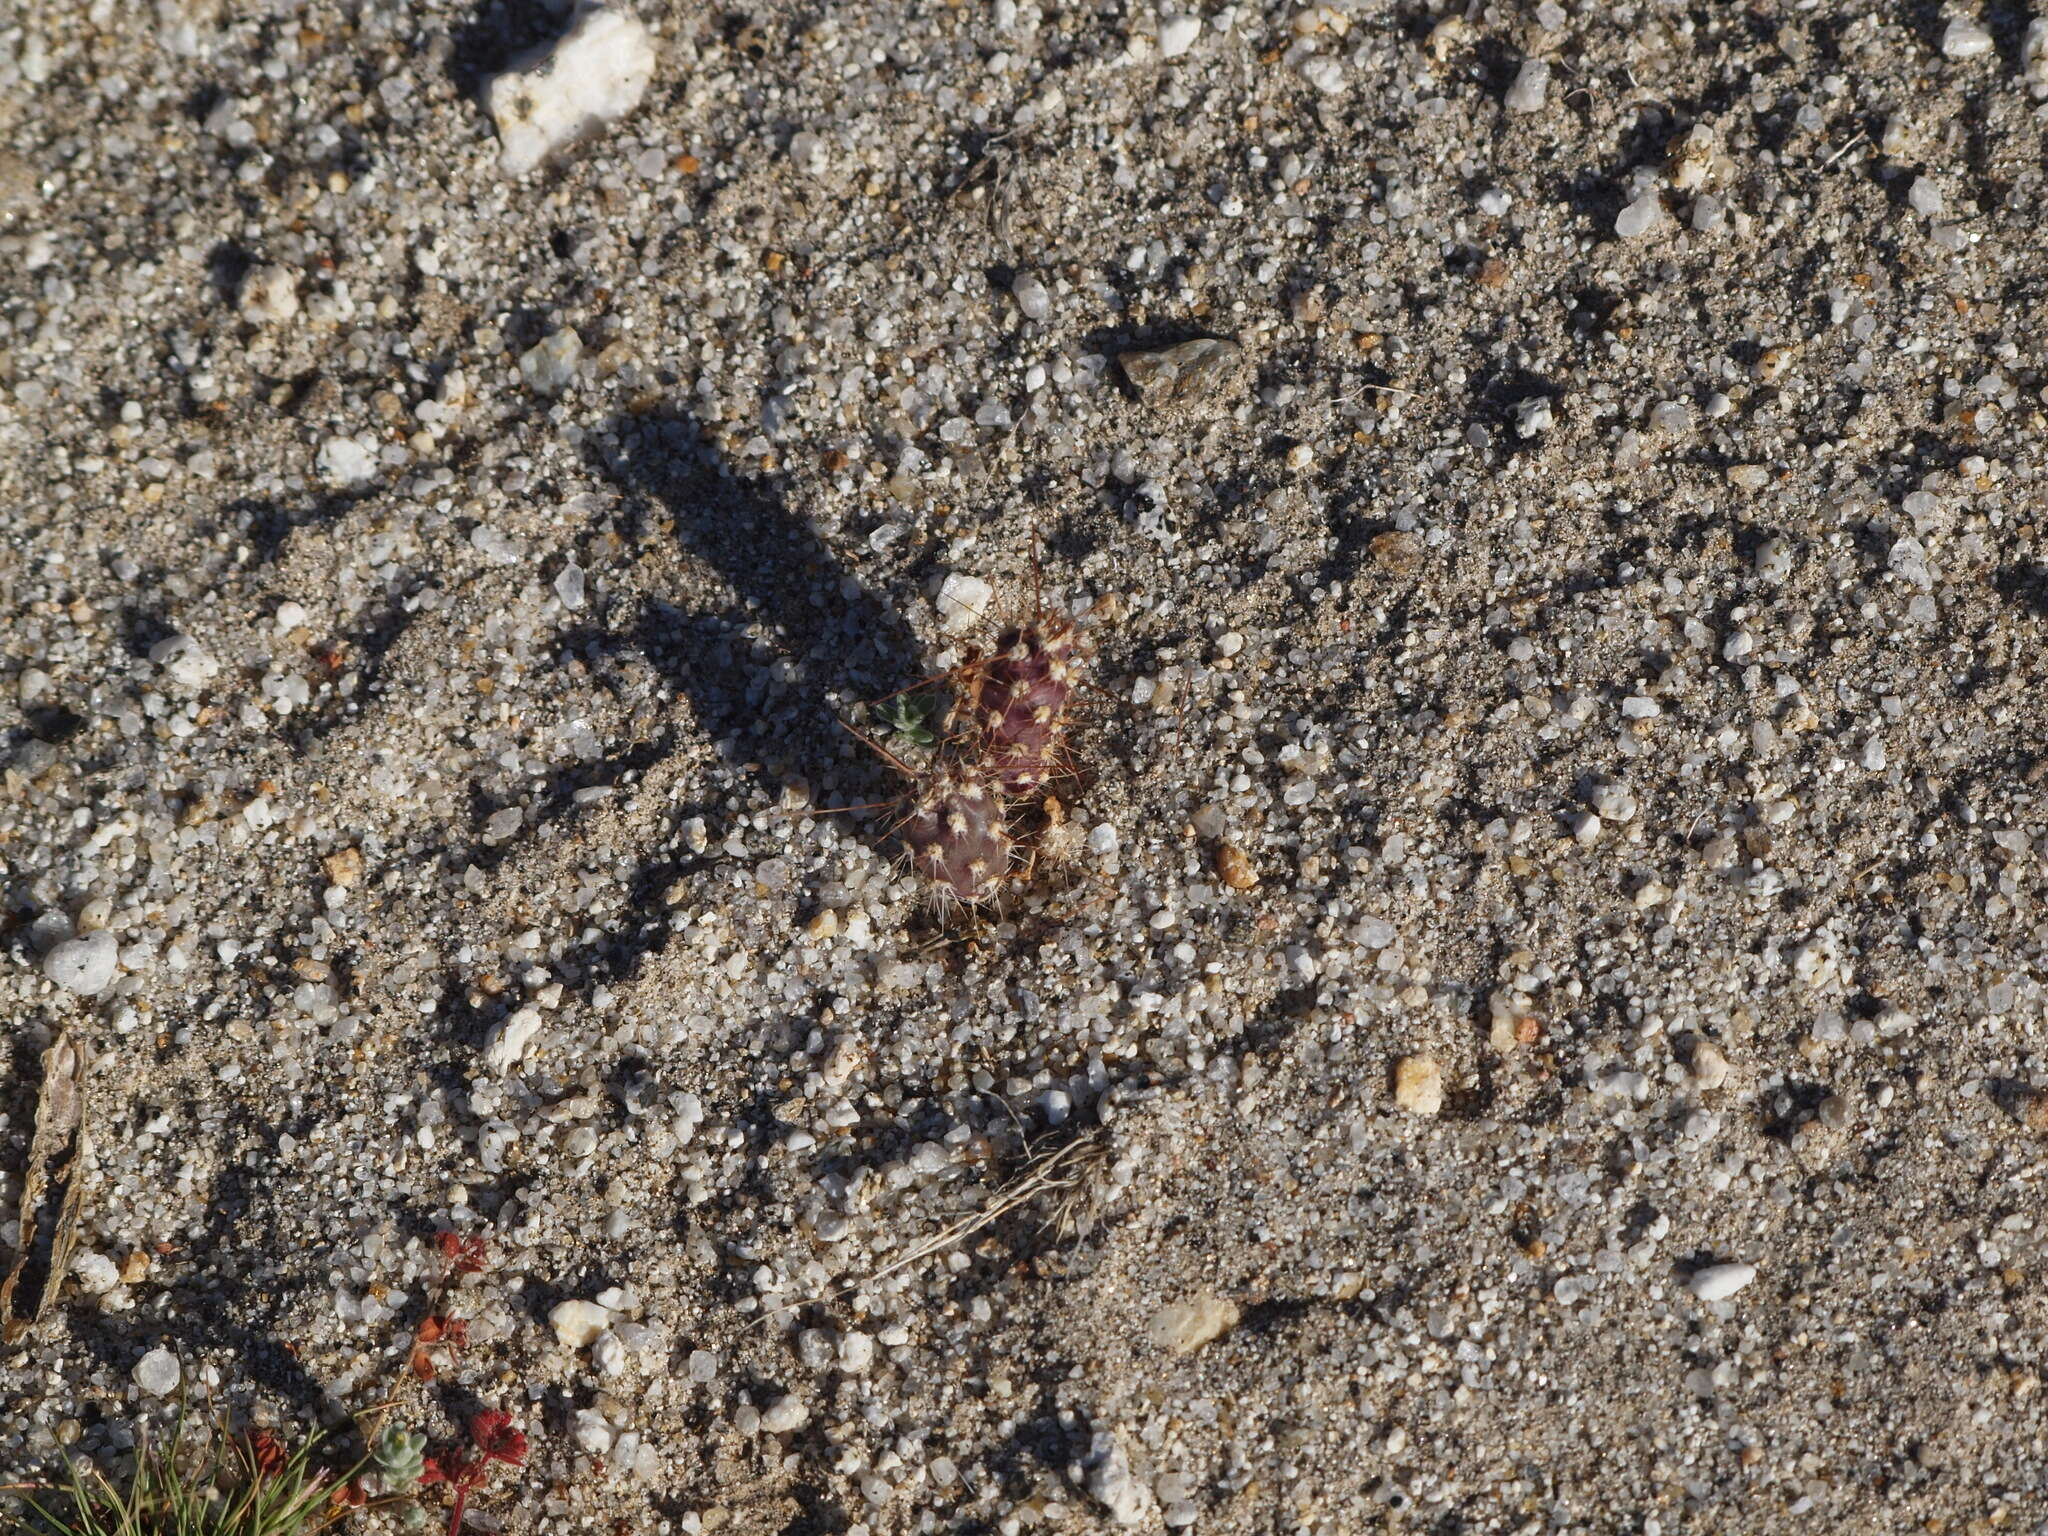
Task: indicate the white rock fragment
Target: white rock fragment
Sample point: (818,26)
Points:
(1925,196)
(1709,1066)
(857,1353)
(1531,87)
(593,1431)
(97,1274)
(1533,416)
(2034,57)
(83,966)
(157,1373)
(1034,302)
(1717,1282)
(1324,73)
(963,602)
(1612,801)
(549,365)
(184,662)
(1640,217)
(608,1354)
(785,1414)
(1177,35)
(342,461)
(509,1040)
(270,295)
(1419,1084)
(1185,1326)
(591,75)
(577,1324)
(1106,1475)
(1692,158)
(1965,39)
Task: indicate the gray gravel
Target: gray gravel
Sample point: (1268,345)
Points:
(1582,637)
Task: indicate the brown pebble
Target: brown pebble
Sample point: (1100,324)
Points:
(135,1267)
(1419,1084)
(1234,867)
(344,868)
(2034,1111)
(1398,554)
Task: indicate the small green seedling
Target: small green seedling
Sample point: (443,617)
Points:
(908,719)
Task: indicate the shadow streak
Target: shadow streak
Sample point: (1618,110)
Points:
(800,629)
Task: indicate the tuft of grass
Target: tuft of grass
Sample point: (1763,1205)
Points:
(221,1484)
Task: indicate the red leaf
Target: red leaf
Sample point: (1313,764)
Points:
(430,1330)
(493,1434)
(422,1364)
(267,1452)
(465,1255)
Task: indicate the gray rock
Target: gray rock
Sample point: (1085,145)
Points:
(1180,374)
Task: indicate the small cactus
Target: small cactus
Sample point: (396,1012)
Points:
(957,837)
(1017,704)
(400,1455)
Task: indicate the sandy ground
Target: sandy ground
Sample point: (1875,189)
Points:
(1595,621)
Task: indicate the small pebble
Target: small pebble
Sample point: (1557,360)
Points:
(508,1042)
(1530,88)
(342,461)
(593,73)
(1185,1326)
(1965,39)
(2034,57)
(549,365)
(577,1324)
(83,966)
(1180,374)
(157,1373)
(1709,1066)
(1396,552)
(1925,196)
(1235,868)
(1717,1282)
(784,1414)
(1106,1474)
(1177,35)
(184,662)
(1419,1085)
(270,295)
(963,602)
(97,1274)
(1640,217)
(1033,301)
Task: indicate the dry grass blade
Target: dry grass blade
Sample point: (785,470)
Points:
(1060,1170)
(1064,1170)
(51,1194)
